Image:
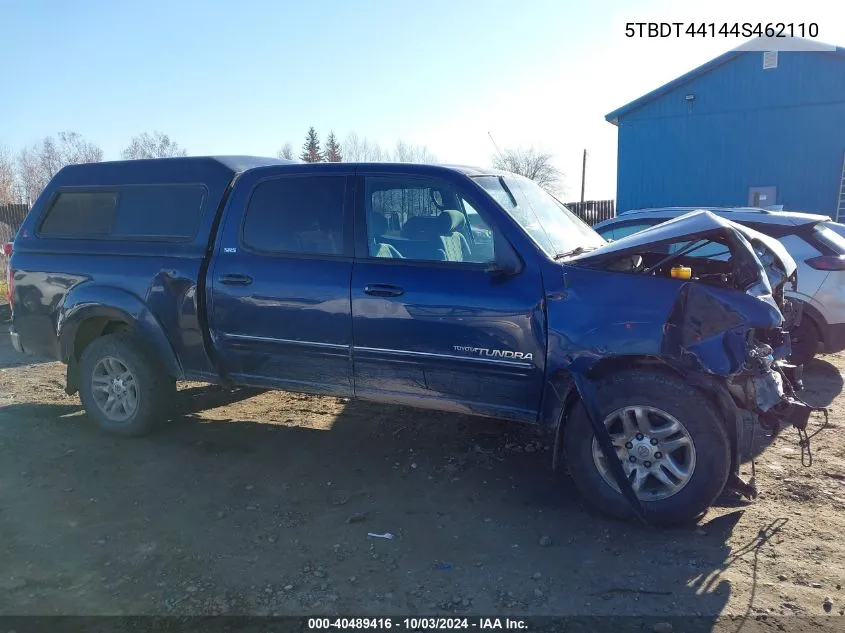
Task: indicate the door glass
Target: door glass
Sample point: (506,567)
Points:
(302,215)
(420,219)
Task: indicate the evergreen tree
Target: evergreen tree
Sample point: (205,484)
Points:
(311,149)
(333,149)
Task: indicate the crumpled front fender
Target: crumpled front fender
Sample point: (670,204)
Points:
(597,315)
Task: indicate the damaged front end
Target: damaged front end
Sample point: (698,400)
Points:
(701,294)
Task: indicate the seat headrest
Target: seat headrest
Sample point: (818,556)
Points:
(378,224)
(421,227)
(450,221)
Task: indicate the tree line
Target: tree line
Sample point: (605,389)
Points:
(530,162)
(24,175)
(355,149)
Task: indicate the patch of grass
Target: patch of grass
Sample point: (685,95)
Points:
(3,289)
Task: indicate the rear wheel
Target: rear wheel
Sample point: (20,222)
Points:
(805,341)
(122,387)
(670,440)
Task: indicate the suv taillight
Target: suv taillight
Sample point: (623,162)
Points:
(7,251)
(827,262)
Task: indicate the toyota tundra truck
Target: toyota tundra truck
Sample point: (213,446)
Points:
(453,288)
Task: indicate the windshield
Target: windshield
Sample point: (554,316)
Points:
(553,227)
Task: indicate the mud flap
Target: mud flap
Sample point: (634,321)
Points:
(587,391)
(72,376)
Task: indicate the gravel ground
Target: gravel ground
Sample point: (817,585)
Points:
(261,503)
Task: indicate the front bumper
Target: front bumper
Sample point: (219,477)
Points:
(16,342)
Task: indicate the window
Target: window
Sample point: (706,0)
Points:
(624,230)
(704,248)
(296,215)
(159,211)
(417,219)
(152,212)
(81,214)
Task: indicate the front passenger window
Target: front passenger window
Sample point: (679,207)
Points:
(423,220)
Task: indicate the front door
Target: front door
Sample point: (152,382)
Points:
(280,311)
(432,326)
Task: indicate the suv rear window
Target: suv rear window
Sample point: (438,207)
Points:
(153,212)
(830,238)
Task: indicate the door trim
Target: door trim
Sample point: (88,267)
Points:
(285,341)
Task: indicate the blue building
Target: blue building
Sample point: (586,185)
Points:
(751,127)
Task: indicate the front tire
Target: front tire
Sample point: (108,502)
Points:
(669,438)
(122,387)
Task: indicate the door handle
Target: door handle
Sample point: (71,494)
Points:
(383,290)
(234,279)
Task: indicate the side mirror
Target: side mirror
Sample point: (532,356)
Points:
(507,262)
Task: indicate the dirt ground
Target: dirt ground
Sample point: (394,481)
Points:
(261,503)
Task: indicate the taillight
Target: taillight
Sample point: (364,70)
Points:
(827,262)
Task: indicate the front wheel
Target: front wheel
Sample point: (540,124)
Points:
(669,438)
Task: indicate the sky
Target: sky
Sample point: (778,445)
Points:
(223,77)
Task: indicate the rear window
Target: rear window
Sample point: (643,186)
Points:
(296,215)
(830,238)
(153,212)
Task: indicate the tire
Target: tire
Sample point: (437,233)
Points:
(805,341)
(708,463)
(147,384)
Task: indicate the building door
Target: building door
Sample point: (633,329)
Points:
(762,196)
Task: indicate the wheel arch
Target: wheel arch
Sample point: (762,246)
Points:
(98,311)
(561,395)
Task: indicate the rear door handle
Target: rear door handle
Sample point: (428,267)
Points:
(383,290)
(234,279)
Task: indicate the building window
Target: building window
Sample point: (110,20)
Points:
(770,60)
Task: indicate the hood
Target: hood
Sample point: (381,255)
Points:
(744,259)
(691,226)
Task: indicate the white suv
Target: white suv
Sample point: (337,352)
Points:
(816,244)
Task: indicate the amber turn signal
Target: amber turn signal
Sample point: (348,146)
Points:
(681,272)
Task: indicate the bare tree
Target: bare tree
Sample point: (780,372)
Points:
(357,149)
(286,152)
(155,145)
(531,163)
(39,163)
(405,153)
(8,177)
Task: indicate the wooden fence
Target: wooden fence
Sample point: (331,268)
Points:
(11,216)
(593,211)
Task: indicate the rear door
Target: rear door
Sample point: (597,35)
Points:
(280,310)
(433,327)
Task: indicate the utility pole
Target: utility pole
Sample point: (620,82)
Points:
(583,174)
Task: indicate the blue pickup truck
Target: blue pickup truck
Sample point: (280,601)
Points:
(370,281)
